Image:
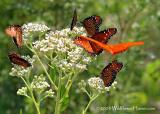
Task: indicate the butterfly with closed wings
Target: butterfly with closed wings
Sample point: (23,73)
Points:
(18,60)
(15,31)
(109,73)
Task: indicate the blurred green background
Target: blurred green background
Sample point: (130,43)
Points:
(136,20)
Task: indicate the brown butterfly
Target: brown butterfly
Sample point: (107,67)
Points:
(74,20)
(15,31)
(16,59)
(92,47)
(108,74)
(91,24)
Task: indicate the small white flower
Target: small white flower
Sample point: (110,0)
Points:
(50,93)
(70,56)
(114,84)
(39,82)
(82,84)
(33,27)
(22,91)
(98,84)
(29,59)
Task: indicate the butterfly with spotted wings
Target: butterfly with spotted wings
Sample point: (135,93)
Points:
(91,24)
(109,73)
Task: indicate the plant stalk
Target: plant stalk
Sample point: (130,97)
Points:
(58,98)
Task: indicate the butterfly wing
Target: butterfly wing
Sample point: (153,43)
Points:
(74,20)
(19,37)
(84,43)
(115,48)
(16,59)
(91,24)
(109,73)
(102,37)
(15,31)
(119,48)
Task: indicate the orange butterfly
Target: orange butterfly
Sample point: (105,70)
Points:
(15,31)
(91,47)
(112,48)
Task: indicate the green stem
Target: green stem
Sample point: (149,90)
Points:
(89,103)
(49,77)
(70,82)
(58,98)
(32,96)
(86,92)
(44,68)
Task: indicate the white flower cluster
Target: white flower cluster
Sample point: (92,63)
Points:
(97,84)
(69,55)
(21,71)
(33,27)
(49,93)
(39,83)
(22,91)
(29,59)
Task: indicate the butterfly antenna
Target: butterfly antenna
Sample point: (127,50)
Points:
(74,19)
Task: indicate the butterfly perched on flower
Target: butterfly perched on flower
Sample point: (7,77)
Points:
(74,20)
(18,60)
(15,31)
(96,42)
(109,73)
